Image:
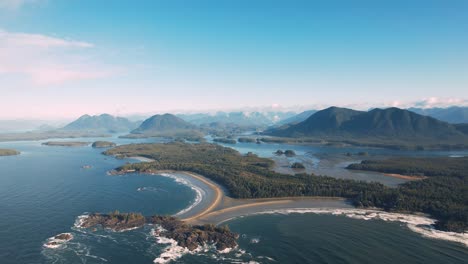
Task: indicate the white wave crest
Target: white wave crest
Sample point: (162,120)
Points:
(199,192)
(57,242)
(171,252)
(80,220)
(417,223)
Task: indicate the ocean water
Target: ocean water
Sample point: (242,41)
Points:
(331,161)
(44,190)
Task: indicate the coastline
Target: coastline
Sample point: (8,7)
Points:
(406,177)
(224,208)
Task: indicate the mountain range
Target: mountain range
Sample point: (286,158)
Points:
(246,119)
(454,114)
(101,123)
(389,124)
(163,123)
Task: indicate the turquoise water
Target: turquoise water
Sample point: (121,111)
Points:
(44,190)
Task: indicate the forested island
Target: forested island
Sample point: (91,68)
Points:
(249,176)
(225,140)
(66,143)
(103,144)
(188,236)
(8,152)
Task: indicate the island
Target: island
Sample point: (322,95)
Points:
(249,176)
(43,135)
(246,140)
(225,140)
(8,152)
(103,144)
(65,143)
(187,236)
(298,166)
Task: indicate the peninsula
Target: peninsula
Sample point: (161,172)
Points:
(249,176)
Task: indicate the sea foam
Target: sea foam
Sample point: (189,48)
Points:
(199,192)
(417,223)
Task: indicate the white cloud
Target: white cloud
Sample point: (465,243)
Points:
(48,60)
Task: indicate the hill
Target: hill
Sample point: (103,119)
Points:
(163,123)
(102,123)
(454,114)
(243,119)
(387,126)
(297,118)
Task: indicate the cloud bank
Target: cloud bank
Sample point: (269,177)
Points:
(47,60)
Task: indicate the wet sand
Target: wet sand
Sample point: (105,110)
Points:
(406,177)
(220,207)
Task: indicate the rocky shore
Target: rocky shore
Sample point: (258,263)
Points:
(195,236)
(186,236)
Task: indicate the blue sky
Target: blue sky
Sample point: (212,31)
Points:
(64,58)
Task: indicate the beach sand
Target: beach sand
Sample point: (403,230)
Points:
(222,207)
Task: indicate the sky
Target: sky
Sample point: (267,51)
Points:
(65,58)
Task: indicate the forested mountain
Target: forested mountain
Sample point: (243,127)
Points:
(297,118)
(454,114)
(101,123)
(392,123)
(163,123)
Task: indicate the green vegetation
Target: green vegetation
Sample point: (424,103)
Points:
(103,123)
(444,194)
(103,144)
(192,237)
(388,128)
(8,152)
(248,176)
(297,165)
(225,140)
(431,166)
(115,220)
(66,143)
(246,140)
(186,235)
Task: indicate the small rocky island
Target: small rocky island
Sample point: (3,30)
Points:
(8,152)
(58,240)
(187,236)
(103,144)
(66,143)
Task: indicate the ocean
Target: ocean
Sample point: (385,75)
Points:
(45,190)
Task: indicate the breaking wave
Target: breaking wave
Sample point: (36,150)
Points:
(199,192)
(416,223)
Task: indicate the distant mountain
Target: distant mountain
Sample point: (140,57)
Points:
(15,126)
(297,118)
(101,123)
(163,123)
(462,127)
(391,123)
(452,115)
(247,119)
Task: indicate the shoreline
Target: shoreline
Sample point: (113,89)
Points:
(406,177)
(224,208)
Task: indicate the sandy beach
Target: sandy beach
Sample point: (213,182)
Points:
(221,207)
(406,177)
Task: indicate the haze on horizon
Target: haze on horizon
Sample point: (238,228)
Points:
(62,59)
